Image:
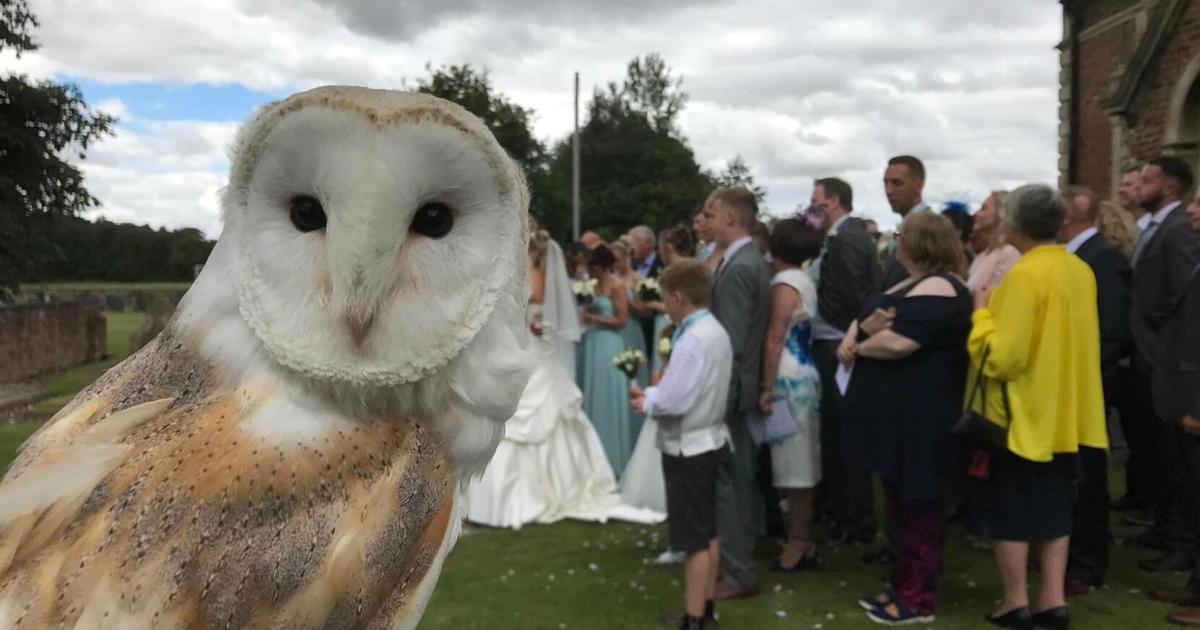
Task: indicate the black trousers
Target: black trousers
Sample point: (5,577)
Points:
(1135,406)
(847,484)
(1091,539)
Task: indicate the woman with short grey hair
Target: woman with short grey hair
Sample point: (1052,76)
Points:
(1035,348)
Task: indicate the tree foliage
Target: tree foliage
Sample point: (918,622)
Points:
(737,173)
(636,168)
(41,123)
(117,252)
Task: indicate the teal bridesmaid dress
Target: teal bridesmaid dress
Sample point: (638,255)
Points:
(606,390)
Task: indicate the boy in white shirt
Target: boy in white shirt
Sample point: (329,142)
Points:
(689,405)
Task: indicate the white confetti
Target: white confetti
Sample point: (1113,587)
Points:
(782,614)
(829,616)
(593,567)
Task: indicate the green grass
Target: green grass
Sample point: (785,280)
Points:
(106,286)
(542,577)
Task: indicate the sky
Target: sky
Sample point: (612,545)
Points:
(799,88)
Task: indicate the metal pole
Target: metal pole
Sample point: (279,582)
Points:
(575,165)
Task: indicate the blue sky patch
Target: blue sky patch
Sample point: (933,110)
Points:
(155,100)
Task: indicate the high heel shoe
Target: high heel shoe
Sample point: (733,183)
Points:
(1016,618)
(1053,618)
(809,561)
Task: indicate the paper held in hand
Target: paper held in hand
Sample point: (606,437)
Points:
(842,378)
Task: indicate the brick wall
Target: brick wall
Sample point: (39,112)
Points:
(35,339)
(1099,57)
(1147,129)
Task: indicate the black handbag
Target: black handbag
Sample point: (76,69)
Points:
(974,425)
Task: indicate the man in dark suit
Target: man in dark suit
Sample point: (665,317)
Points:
(741,303)
(904,183)
(848,275)
(1166,253)
(1177,401)
(647,265)
(1090,540)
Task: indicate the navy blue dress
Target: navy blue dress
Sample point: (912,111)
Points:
(899,412)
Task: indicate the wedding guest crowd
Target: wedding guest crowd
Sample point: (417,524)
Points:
(969,364)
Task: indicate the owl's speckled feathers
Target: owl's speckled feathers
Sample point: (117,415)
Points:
(281,456)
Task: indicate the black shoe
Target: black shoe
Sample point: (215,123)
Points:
(1053,618)
(879,556)
(809,561)
(691,623)
(1138,518)
(1169,562)
(1015,618)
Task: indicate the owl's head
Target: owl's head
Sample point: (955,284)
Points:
(377,243)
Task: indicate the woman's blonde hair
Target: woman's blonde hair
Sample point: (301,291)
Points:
(539,244)
(1116,226)
(930,242)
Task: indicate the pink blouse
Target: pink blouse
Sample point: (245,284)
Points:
(988,268)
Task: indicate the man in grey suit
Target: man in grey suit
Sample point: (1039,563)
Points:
(1177,401)
(848,275)
(741,302)
(1166,253)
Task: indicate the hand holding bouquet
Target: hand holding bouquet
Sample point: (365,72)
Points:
(629,361)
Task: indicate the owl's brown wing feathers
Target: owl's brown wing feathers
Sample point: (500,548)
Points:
(199,522)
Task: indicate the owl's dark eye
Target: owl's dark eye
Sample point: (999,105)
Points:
(433,220)
(307,213)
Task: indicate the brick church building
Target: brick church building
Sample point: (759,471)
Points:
(1130,87)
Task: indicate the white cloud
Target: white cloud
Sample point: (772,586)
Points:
(801,89)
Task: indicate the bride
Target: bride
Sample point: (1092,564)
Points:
(550,464)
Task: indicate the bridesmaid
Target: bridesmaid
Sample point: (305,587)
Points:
(628,278)
(605,388)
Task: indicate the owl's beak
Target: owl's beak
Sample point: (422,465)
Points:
(360,326)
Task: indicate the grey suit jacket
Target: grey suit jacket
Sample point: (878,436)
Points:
(1160,278)
(1177,372)
(742,303)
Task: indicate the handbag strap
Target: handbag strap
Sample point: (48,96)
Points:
(981,387)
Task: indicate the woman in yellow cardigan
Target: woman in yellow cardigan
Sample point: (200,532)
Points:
(1041,334)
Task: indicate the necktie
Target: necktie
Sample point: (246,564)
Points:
(1142,239)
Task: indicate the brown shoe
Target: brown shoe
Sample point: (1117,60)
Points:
(726,590)
(1177,596)
(1185,617)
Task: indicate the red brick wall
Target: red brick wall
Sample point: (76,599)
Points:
(40,338)
(1099,57)
(1147,129)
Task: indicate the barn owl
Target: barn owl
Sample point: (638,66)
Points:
(287,452)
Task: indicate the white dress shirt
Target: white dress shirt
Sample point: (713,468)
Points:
(1074,244)
(689,402)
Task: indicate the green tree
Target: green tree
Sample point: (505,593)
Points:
(636,168)
(509,122)
(41,122)
(737,173)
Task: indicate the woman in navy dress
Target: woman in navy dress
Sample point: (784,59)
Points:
(909,360)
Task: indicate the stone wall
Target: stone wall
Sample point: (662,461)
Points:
(40,338)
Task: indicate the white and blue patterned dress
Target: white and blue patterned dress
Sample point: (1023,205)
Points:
(796,460)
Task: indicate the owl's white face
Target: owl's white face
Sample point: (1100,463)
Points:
(374,233)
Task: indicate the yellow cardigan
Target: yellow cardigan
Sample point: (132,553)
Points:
(1043,333)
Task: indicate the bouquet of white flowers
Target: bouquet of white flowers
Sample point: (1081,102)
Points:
(584,290)
(664,348)
(648,291)
(629,361)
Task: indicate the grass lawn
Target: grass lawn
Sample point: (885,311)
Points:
(583,575)
(107,286)
(580,575)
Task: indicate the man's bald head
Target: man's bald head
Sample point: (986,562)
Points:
(590,240)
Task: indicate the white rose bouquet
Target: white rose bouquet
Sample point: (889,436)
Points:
(629,361)
(648,291)
(584,291)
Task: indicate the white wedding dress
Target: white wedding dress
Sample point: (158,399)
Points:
(550,464)
(642,484)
